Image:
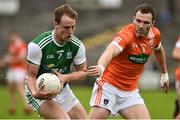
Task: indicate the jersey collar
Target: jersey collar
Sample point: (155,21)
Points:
(56,43)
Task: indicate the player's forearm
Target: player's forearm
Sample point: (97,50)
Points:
(104,60)
(161,60)
(31,84)
(106,57)
(110,52)
(74,76)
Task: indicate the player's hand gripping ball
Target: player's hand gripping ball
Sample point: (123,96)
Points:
(50,82)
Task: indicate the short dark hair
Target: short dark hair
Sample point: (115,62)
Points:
(146,8)
(64,9)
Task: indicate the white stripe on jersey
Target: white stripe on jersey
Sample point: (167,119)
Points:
(49,39)
(117,45)
(41,42)
(75,43)
(75,39)
(46,44)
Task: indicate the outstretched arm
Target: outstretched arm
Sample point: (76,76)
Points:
(110,52)
(161,60)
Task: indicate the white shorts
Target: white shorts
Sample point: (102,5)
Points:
(66,99)
(16,75)
(109,97)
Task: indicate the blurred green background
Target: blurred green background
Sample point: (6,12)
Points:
(160,105)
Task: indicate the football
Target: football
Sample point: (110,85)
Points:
(50,82)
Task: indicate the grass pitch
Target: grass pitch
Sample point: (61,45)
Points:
(160,105)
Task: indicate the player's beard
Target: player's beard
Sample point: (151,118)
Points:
(141,33)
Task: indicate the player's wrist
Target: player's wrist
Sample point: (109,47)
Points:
(164,78)
(33,92)
(101,68)
(165,75)
(30,88)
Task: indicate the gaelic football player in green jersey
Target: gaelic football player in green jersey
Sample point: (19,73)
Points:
(57,50)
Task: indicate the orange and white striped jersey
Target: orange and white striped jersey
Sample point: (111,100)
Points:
(18,49)
(125,68)
(177,74)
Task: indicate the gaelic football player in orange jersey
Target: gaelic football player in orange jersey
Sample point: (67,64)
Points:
(176,56)
(120,66)
(16,62)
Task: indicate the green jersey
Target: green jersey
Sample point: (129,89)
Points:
(49,55)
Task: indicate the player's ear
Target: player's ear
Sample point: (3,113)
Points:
(133,18)
(153,23)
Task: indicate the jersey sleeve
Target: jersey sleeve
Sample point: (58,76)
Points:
(34,53)
(157,39)
(80,57)
(121,40)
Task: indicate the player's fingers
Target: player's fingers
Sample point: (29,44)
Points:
(53,94)
(58,75)
(93,74)
(55,72)
(93,67)
(166,87)
(49,95)
(62,87)
(93,70)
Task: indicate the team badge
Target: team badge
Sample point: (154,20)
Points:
(106,101)
(69,55)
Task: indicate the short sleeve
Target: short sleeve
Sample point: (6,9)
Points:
(80,57)
(121,40)
(157,39)
(34,53)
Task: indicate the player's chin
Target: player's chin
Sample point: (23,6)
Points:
(141,35)
(67,40)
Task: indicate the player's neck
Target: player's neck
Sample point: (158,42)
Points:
(60,42)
